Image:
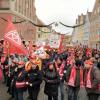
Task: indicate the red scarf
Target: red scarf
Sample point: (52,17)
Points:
(88,79)
(60,69)
(72,77)
(69,61)
(99,87)
(3,59)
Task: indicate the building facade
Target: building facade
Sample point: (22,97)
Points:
(43,33)
(67,40)
(19,10)
(79,31)
(87,29)
(89,33)
(74,36)
(95,26)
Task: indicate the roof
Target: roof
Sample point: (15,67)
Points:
(89,15)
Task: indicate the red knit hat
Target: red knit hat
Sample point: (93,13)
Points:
(32,56)
(21,63)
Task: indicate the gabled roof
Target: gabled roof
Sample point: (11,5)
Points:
(79,18)
(89,15)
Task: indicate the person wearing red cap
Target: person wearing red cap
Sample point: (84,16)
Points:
(21,63)
(32,59)
(19,81)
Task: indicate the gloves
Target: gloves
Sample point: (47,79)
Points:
(27,83)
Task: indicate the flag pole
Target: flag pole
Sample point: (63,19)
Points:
(8,55)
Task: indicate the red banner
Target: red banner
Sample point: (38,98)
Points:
(13,43)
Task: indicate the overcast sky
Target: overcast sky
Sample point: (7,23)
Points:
(65,11)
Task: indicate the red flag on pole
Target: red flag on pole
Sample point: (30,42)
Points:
(12,37)
(61,44)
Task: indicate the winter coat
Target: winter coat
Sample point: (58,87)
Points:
(95,79)
(20,78)
(35,78)
(52,81)
(9,78)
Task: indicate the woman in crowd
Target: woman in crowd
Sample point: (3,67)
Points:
(52,81)
(61,69)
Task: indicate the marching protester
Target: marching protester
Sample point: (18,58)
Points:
(61,69)
(10,76)
(92,79)
(5,68)
(74,78)
(52,81)
(34,78)
(19,81)
(76,66)
(46,61)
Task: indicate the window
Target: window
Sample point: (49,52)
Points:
(39,35)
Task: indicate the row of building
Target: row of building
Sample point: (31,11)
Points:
(88,33)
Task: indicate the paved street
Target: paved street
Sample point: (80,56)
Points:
(5,96)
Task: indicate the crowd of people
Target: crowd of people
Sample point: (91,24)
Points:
(75,68)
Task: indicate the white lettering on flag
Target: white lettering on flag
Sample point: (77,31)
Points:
(13,36)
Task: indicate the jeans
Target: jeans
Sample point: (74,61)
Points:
(93,96)
(18,95)
(53,97)
(72,93)
(61,91)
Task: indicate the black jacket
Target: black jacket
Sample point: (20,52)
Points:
(35,78)
(52,81)
(20,78)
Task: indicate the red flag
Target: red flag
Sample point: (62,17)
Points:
(61,42)
(13,39)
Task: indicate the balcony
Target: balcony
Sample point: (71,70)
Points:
(4,4)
